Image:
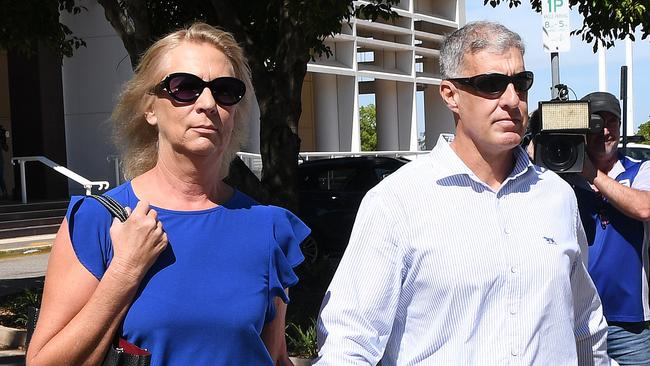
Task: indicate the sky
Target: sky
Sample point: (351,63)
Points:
(579,66)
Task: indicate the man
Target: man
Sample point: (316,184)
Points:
(470,255)
(614,205)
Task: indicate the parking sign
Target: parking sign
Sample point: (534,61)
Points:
(555,25)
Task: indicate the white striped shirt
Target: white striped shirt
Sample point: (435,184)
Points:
(442,270)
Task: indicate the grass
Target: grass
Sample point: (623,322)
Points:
(302,342)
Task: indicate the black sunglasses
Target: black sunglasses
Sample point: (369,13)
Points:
(496,84)
(186,88)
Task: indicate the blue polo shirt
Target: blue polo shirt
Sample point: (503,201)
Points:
(618,251)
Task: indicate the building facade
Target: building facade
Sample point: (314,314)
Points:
(393,64)
(396,63)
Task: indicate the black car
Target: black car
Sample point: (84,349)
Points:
(637,151)
(330,194)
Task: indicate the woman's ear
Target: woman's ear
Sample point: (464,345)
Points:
(449,94)
(151,118)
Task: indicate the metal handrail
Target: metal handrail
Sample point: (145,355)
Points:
(87,184)
(117,166)
(336,154)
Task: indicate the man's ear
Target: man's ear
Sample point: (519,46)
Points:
(151,118)
(449,94)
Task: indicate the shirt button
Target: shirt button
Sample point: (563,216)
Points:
(514,269)
(513,310)
(514,351)
(506,231)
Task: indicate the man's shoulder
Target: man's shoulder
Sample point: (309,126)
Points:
(641,175)
(414,176)
(558,182)
(644,167)
(412,173)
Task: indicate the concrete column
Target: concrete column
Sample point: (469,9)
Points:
(355,143)
(387,115)
(253,136)
(437,117)
(408,130)
(326,112)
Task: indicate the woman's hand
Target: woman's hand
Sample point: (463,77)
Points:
(137,242)
(273,335)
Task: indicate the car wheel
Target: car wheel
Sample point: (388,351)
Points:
(309,249)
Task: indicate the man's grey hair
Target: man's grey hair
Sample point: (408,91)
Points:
(475,37)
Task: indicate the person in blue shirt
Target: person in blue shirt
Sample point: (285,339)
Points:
(614,202)
(199,272)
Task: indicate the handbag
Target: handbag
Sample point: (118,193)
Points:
(121,352)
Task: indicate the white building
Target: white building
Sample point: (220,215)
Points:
(398,62)
(395,61)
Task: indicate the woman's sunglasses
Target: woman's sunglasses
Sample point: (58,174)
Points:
(496,84)
(186,88)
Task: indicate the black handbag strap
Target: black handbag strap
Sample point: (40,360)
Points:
(114,207)
(115,356)
(116,210)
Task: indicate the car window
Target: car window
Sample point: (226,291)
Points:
(638,153)
(382,172)
(329,179)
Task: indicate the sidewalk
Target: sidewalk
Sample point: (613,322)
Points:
(25,245)
(12,357)
(16,247)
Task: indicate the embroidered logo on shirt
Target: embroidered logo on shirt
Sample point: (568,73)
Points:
(625,182)
(549,240)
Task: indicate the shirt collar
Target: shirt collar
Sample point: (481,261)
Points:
(617,169)
(449,163)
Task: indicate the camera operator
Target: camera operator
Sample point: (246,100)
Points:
(614,201)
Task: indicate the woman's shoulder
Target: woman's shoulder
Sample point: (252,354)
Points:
(122,193)
(82,204)
(242,201)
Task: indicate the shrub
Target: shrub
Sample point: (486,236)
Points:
(13,308)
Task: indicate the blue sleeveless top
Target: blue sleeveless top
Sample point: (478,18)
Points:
(210,292)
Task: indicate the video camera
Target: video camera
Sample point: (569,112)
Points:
(560,129)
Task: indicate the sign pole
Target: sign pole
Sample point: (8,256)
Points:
(624,109)
(556,39)
(555,75)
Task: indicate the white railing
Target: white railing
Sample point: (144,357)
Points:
(305,156)
(87,184)
(253,162)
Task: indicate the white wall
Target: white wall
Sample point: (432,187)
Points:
(92,80)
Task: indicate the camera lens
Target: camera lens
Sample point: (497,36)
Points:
(559,153)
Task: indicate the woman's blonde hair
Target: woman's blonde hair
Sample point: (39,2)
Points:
(137,139)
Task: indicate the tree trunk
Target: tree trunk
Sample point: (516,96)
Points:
(280,99)
(131,23)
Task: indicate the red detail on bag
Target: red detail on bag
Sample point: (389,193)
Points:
(132,349)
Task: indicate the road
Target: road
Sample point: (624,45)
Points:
(26,271)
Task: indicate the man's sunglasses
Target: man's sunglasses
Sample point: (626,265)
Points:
(496,84)
(186,88)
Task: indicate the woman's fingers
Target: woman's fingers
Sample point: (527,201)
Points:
(141,238)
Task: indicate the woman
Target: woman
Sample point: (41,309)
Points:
(198,273)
